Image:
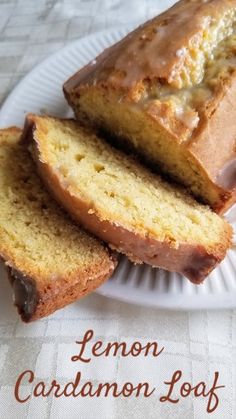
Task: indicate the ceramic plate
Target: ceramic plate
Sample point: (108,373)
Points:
(41,91)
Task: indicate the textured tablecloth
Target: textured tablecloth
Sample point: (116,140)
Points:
(198,343)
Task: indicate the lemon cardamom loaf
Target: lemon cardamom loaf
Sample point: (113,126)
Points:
(123,203)
(168,89)
(51,262)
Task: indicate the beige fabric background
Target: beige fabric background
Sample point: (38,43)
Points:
(197,343)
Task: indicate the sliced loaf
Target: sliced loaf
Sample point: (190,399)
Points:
(123,203)
(51,262)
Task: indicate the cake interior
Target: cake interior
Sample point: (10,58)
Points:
(34,232)
(123,192)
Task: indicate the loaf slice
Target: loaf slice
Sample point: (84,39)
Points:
(168,91)
(51,262)
(123,203)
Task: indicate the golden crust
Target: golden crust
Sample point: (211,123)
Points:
(151,51)
(192,260)
(214,143)
(10,134)
(50,298)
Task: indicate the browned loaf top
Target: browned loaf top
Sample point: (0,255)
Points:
(123,203)
(168,89)
(51,262)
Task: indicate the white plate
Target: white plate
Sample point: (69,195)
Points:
(41,91)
